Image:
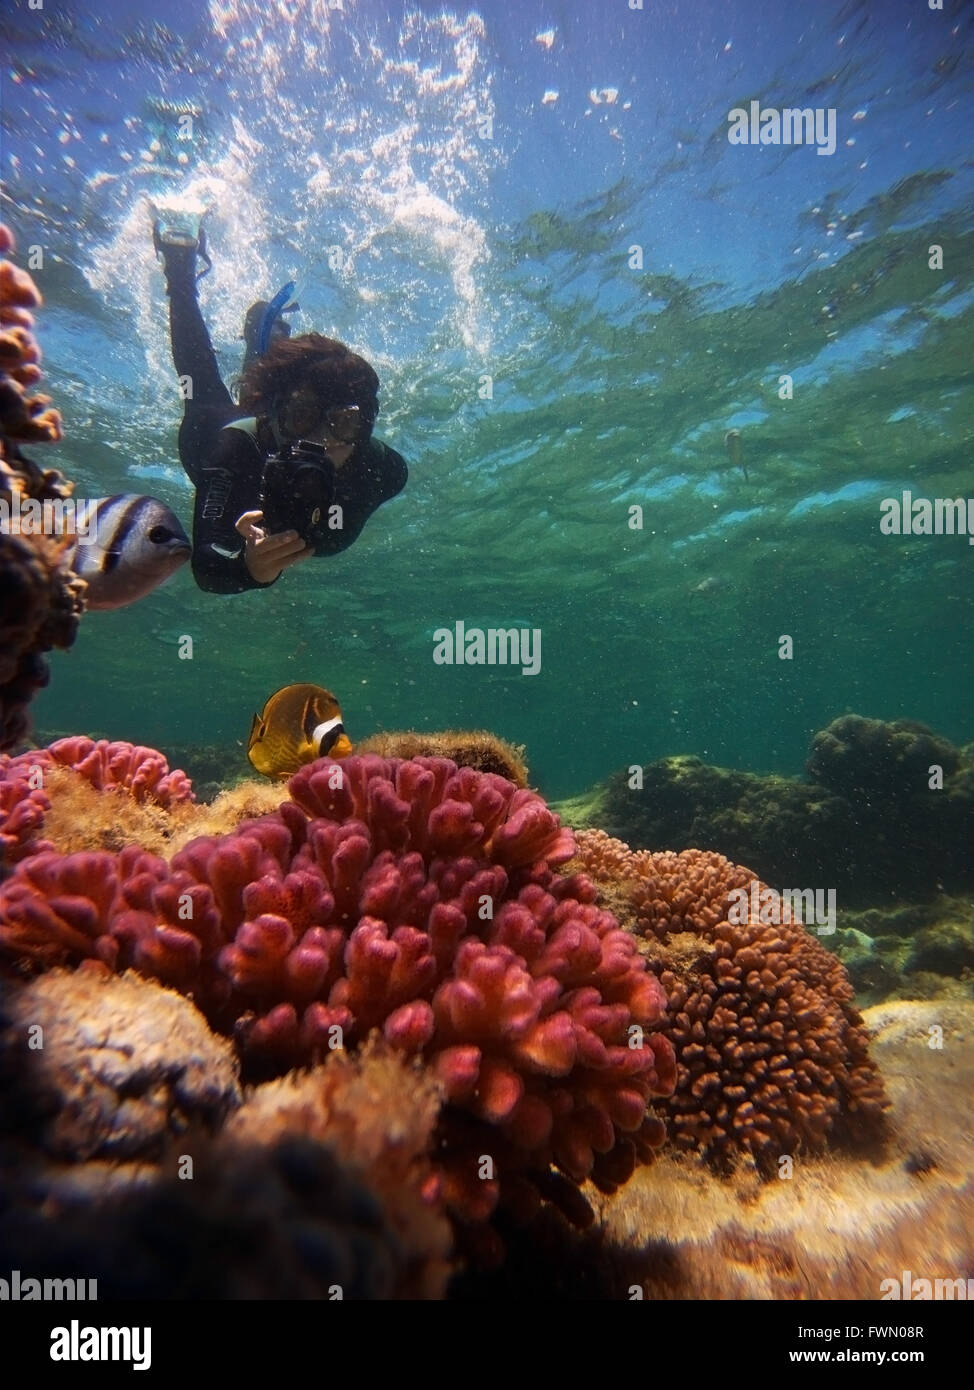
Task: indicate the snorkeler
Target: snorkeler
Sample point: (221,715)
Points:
(300,474)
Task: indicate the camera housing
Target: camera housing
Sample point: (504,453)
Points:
(297,488)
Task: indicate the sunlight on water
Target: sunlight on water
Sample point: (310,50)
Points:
(572,305)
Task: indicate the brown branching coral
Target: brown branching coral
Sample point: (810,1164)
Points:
(40,599)
(838,1228)
(772,1056)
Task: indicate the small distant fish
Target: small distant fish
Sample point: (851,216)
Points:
(709,586)
(732,443)
(137,543)
(297,725)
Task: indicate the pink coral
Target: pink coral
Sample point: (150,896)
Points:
(141,771)
(116,766)
(23,805)
(410,896)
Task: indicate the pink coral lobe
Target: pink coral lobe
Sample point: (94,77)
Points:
(458,1069)
(499,1088)
(141,771)
(410,1027)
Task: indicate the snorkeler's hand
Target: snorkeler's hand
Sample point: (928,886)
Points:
(266,556)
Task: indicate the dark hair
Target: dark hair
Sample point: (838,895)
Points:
(323,365)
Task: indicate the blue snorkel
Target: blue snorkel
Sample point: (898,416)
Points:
(272,313)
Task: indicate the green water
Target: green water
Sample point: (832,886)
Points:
(517,514)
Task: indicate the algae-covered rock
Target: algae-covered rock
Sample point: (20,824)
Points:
(476,748)
(862,758)
(873,971)
(109,1068)
(887,815)
(946,948)
(909,950)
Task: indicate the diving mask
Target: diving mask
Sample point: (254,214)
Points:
(304,416)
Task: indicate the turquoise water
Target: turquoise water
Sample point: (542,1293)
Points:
(484,176)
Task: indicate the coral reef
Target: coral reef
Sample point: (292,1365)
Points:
(370,883)
(772,1057)
(323,1180)
(377,1112)
(868,825)
(58,790)
(40,599)
(467,748)
(909,951)
(409,896)
(835,1229)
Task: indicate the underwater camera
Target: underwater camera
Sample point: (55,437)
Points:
(297,489)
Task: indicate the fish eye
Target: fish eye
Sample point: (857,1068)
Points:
(160,534)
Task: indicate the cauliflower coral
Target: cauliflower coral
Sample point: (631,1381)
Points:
(411,897)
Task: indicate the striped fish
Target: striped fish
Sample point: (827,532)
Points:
(134,545)
(297,725)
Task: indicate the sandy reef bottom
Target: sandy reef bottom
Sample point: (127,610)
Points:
(115,1083)
(838,1226)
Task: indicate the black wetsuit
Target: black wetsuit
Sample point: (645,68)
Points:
(225,465)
